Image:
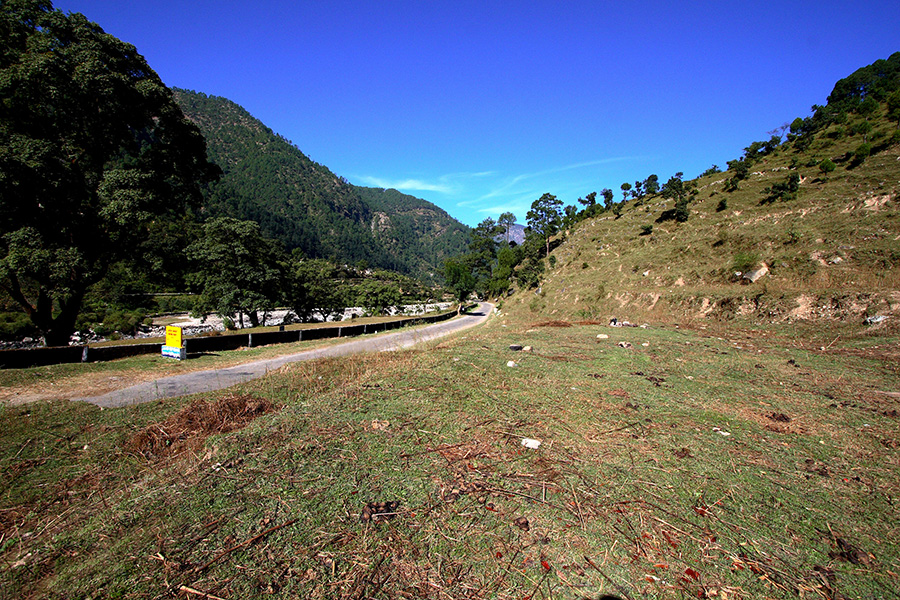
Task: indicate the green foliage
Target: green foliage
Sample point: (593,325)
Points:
(304,205)
(506,221)
(607,197)
(744,261)
(827,166)
(893,107)
(418,233)
(646,229)
(782,190)
(722,205)
(501,278)
(377,296)
(459,278)
(682,212)
(237,270)
(531,270)
(682,192)
(316,285)
(876,81)
(711,171)
(739,170)
(862,152)
(16,325)
(544,218)
(89,169)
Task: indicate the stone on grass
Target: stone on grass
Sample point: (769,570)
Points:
(756,274)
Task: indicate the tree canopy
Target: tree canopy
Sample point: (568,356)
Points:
(544,217)
(93,151)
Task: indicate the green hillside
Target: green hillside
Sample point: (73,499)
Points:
(413,229)
(304,205)
(829,239)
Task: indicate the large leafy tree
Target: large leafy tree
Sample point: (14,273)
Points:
(459,278)
(544,218)
(315,286)
(238,270)
(94,152)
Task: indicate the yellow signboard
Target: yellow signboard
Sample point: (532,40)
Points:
(173,336)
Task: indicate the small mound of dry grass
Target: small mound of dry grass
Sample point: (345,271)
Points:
(553,324)
(190,426)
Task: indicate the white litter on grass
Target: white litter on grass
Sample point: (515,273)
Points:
(530,443)
(511,363)
(721,432)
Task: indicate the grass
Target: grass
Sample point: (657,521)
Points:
(837,239)
(77,380)
(634,491)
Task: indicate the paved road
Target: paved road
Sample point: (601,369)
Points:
(216,379)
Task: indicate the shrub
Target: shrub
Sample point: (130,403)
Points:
(16,325)
(827,166)
(646,229)
(744,261)
(782,190)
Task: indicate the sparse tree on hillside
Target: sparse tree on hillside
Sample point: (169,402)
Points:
(570,216)
(94,153)
(893,107)
(682,193)
(589,200)
(483,252)
(626,190)
(544,217)
(607,197)
(651,184)
(506,221)
(826,167)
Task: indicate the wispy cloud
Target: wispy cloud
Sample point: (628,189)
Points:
(452,183)
(408,184)
(518,191)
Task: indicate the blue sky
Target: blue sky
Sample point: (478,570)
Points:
(481,107)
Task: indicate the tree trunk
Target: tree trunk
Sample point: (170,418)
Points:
(62,327)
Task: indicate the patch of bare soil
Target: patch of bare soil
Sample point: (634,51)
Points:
(87,384)
(190,426)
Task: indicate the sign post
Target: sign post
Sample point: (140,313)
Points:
(174,346)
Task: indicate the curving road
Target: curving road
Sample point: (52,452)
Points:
(216,379)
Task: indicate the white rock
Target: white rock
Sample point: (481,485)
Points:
(530,443)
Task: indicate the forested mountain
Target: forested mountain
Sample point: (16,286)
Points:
(304,205)
(414,230)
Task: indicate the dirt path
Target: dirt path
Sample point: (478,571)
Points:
(215,379)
